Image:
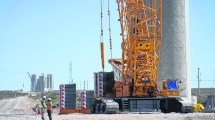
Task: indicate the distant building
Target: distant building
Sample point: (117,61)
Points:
(42,84)
(204,93)
(38,88)
(49,82)
(33,82)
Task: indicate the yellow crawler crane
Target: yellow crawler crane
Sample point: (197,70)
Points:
(141,24)
(136,73)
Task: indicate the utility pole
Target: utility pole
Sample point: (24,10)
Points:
(23,86)
(70,73)
(84,84)
(87,84)
(198,99)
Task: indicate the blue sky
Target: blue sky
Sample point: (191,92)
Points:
(201,19)
(40,36)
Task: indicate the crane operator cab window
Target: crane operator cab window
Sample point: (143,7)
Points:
(170,84)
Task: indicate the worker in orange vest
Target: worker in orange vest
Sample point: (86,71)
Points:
(49,108)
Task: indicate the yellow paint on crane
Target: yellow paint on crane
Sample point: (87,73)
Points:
(102,55)
(141,31)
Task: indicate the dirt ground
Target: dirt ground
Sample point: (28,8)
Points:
(21,109)
(171,116)
(19,105)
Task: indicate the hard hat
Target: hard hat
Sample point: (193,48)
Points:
(49,99)
(44,97)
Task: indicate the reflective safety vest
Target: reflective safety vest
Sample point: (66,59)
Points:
(41,106)
(49,105)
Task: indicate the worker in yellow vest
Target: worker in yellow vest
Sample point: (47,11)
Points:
(42,107)
(49,108)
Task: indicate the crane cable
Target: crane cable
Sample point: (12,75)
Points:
(109,29)
(101,39)
(101,35)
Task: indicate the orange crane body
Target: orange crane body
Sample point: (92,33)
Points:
(141,27)
(136,73)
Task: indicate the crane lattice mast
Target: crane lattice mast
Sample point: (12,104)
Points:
(141,31)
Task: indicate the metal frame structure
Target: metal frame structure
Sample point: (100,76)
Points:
(141,27)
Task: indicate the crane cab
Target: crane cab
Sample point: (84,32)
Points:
(170,88)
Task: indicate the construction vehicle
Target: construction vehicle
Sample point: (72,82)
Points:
(136,73)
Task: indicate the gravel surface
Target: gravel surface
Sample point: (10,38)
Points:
(21,109)
(161,116)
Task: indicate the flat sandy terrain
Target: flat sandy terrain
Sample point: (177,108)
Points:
(21,109)
(172,116)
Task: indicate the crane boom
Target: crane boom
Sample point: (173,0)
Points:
(141,31)
(29,75)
